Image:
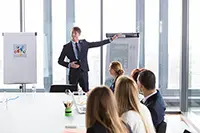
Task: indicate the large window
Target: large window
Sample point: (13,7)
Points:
(194,63)
(58,39)
(162,30)
(87,17)
(118,17)
(194,39)
(152,35)
(34,23)
(174,42)
(9,22)
(172,33)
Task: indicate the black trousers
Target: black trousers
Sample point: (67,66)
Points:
(79,76)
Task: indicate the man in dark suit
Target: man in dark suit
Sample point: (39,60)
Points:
(76,51)
(152,97)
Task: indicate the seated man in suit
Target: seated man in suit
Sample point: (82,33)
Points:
(152,97)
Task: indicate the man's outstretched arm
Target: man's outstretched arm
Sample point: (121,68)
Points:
(98,44)
(101,43)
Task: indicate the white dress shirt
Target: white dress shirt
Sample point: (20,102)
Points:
(145,99)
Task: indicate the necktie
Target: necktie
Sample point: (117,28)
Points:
(78,50)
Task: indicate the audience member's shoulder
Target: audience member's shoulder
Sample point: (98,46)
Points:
(97,124)
(143,108)
(134,120)
(130,115)
(147,115)
(90,130)
(145,111)
(156,99)
(160,99)
(96,128)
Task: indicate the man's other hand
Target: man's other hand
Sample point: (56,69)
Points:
(74,65)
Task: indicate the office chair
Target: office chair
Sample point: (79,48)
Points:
(63,88)
(186,131)
(162,127)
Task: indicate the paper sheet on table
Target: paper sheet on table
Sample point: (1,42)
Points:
(74,131)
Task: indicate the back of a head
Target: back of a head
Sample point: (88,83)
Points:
(117,67)
(102,108)
(126,94)
(147,79)
(136,72)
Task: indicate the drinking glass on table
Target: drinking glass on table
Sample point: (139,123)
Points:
(80,95)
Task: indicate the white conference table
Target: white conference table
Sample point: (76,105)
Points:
(37,113)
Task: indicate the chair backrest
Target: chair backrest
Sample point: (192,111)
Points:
(186,131)
(63,88)
(162,127)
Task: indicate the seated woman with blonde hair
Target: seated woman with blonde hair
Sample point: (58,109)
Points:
(115,70)
(130,109)
(102,113)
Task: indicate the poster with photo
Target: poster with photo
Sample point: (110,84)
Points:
(20,64)
(19,50)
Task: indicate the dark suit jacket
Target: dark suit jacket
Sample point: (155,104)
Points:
(98,128)
(112,87)
(69,52)
(156,106)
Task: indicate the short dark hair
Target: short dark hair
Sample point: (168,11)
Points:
(77,29)
(147,79)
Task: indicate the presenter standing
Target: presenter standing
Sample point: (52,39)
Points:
(76,51)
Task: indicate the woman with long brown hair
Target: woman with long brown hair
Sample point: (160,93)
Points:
(130,109)
(102,113)
(115,70)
